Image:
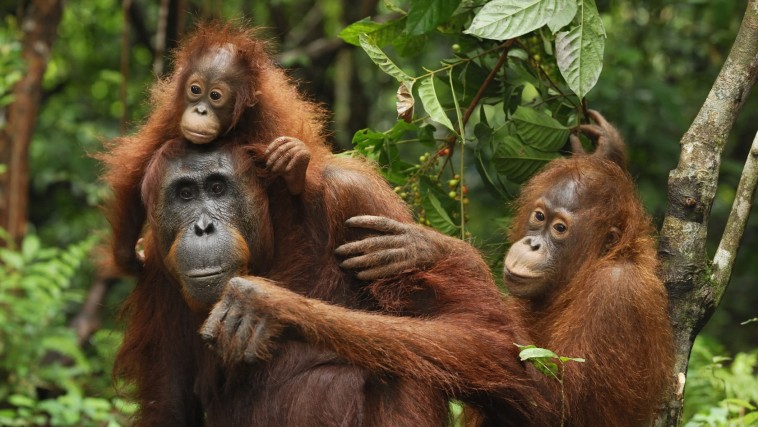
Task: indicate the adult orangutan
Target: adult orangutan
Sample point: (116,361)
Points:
(224,83)
(297,341)
(581,272)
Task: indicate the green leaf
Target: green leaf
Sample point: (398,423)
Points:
(30,246)
(739,402)
(426,15)
(369,143)
(536,353)
(571,359)
(428,96)
(538,130)
(21,401)
(482,131)
(409,46)
(382,34)
(13,260)
(508,19)
(563,16)
(517,161)
(437,215)
(579,51)
(383,61)
(750,419)
(351,34)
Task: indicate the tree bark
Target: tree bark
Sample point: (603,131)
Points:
(694,293)
(40,24)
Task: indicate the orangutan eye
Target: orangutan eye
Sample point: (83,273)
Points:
(217,188)
(215,95)
(561,228)
(539,216)
(186,193)
(196,89)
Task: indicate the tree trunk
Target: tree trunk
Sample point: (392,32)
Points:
(695,292)
(40,25)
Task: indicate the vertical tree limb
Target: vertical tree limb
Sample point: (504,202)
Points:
(685,266)
(123,95)
(160,38)
(40,25)
(736,223)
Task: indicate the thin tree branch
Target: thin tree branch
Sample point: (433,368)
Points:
(450,141)
(40,25)
(87,321)
(160,38)
(735,225)
(487,82)
(126,5)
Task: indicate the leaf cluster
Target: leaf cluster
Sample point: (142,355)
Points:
(45,377)
(721,390)
(493,111)
(10,61)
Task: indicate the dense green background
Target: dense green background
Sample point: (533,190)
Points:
(661,58)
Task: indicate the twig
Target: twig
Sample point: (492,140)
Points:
(450,141)
(160,38)
(87,321)
(124,65)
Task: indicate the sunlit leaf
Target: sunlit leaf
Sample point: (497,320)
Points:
(563,15)
(750,419)
(740,403)
(579,51)
(20,400)
(431,103)
(426,15)
(536,353)
(12,260)
(571,359)
(508,19)
(382,60)
(381,33)
(30,246)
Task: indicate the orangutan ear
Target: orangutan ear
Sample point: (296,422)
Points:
(254,101)
(613,237)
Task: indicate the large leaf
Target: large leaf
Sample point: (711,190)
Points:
(382,60)
(483,154)
(410,46)
(428,96)
(437,216)
(563,16)
(508,19)
(382,34)
(518,161)
(426,15)
(579,51)
(538,130)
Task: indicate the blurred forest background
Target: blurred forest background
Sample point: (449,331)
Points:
(660,60)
